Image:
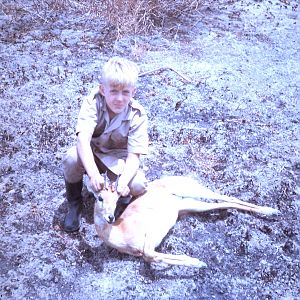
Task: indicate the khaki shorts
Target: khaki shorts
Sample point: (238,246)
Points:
(73,171)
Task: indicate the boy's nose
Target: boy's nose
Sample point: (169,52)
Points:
(119,96)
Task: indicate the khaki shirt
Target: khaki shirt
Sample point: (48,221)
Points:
(112,140)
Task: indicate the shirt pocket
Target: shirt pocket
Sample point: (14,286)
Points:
(99,129)
(119,139)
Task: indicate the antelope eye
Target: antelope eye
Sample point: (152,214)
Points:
(99,198)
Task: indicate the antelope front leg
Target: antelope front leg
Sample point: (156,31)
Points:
(172,259)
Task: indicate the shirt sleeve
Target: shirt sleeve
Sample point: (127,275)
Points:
(138,134)
(87,118)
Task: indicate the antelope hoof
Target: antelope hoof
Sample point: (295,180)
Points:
(201,264)
(269,211)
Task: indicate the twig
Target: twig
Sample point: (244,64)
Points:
(244,121)
(2,6)
(65,239)
(166,68)
(59,235)
(77,250)
(191,148)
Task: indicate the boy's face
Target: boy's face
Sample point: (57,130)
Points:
(117,97)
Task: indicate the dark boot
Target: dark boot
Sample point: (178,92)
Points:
(72,218)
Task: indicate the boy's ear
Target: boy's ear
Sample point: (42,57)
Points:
(101,89)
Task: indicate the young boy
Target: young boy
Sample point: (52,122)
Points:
(111,135)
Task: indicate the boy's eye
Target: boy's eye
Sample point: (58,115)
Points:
(115,91)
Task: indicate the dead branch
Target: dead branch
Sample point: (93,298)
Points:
(244,121)
(166,68)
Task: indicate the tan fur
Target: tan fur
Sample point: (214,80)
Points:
(148,219)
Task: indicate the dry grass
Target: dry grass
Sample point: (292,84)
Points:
(140,17)
(125,17)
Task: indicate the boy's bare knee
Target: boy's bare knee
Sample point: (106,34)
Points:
(138,185)
(72,167)
(138,189)
(70,157)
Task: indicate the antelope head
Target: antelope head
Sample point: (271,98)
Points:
(106,201)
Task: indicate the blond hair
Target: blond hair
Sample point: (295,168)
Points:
(120,72)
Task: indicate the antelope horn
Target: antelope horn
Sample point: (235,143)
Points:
(116,183)
(105,180)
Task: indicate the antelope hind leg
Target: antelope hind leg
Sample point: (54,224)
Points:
(187,187)
(193,205)
(190,188)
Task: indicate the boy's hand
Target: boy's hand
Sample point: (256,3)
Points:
(97,182)
(123,190)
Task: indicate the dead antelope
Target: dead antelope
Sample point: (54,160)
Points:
(147,220)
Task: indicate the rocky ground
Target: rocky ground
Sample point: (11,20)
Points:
(223,107)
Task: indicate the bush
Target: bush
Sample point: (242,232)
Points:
(124,16)
(141,16)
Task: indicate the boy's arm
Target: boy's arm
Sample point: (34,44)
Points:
(132,164)
(87,158)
